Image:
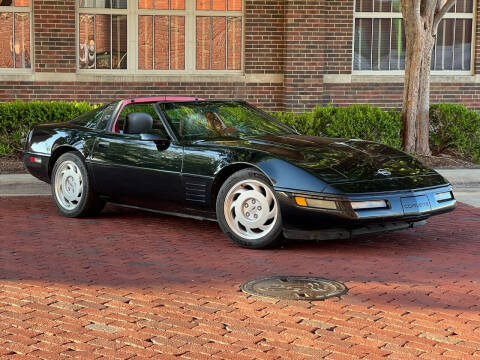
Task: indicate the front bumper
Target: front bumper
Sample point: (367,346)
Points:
(404,209)
(347,233)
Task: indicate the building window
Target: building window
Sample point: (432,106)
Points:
(161,35)
(15,34)
(379,39)
(186,36)
(218,38)
(103,34)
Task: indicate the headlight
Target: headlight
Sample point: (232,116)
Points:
(316,203)
(372,204)
(443,196)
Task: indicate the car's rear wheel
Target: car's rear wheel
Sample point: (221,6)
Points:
(248,211)
(71,188)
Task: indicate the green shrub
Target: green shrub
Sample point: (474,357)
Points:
(17,117)
(455,129)
(356,121)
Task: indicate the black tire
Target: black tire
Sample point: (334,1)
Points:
(89,204)
(274,234)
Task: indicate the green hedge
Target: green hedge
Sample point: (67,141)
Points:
(356,121)
(17,117)
(454,128)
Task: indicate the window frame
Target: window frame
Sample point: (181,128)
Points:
(398,15)
(133,12)
(15,10)
(99,11)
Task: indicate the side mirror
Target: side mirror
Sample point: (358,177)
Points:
(138,123)
(161,142)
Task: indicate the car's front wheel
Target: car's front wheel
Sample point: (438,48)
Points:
(71,188)
(248,211)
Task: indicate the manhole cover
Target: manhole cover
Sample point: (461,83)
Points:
(295,288)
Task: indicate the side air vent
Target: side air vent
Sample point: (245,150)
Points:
(196,189)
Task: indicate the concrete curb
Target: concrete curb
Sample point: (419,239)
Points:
(22,185)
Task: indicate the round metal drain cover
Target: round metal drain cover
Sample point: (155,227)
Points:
(295,288)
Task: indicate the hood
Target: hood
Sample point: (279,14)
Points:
(336,160)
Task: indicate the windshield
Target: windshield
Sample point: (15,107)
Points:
(213,119)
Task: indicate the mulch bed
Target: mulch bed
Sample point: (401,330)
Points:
(444,161)
(11,165)
(14,165)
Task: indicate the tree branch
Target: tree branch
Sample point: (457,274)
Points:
(429,12)
(441,13)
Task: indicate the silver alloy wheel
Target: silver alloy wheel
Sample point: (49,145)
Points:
(68,185)
(250,209)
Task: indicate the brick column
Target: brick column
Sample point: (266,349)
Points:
(337,36)
(303,82)
(264,36)
(54,35)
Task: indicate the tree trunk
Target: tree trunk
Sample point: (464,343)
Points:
(423,108)
(416,92)
(411,88)
(421,19)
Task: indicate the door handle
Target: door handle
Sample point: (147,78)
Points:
(103,144)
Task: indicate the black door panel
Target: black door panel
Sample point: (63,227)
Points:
(136,172)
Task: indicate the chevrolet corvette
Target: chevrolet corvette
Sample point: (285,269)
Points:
(228,161)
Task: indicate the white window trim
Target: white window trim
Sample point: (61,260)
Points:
(398,15)
(190,13)
(21,9)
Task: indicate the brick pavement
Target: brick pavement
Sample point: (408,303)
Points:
(133,285)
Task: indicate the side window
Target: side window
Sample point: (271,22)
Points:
(191,121)
(105,115)
(157,128)
(89,119)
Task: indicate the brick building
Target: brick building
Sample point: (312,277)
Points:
(282,54)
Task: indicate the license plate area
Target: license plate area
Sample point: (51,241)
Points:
(415,204)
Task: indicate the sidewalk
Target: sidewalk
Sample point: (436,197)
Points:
(466,183)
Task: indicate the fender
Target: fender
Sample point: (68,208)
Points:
(285,176)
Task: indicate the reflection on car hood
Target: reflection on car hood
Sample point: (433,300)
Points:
(336,160)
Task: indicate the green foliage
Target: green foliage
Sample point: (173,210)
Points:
(145,108)
(17,117)
(455,129)
(357,121)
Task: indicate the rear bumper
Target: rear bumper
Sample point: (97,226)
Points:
(403,210)
(38,167)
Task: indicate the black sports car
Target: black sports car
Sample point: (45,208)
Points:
(229,161)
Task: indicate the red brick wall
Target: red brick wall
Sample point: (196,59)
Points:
(268,95)
(337,36)
(303,54)
(390,95)
(264,36)
(54,34)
